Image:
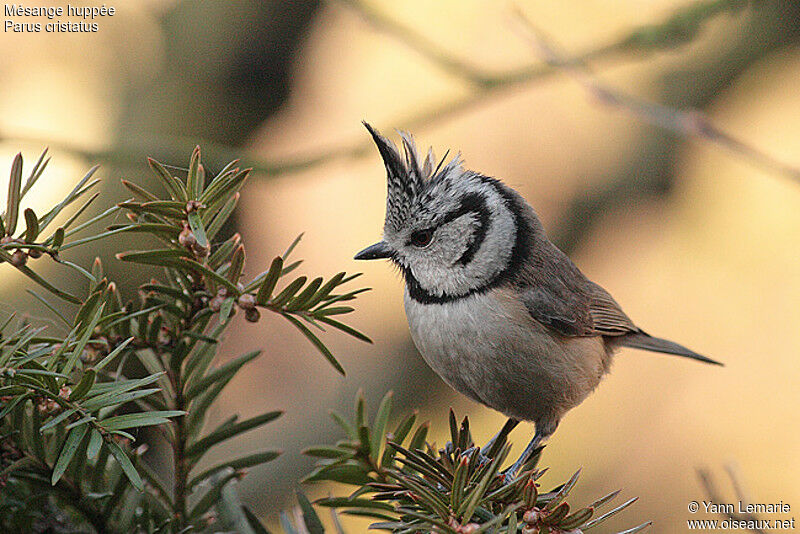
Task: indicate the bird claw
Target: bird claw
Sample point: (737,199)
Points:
(482,458)
(508,477)
(450,449)
(512,472)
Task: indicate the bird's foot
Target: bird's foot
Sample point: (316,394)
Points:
(482,458)
(510,474)
(450,449)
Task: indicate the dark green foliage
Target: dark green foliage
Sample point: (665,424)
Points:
(17,250)
(70,409)
(408,485)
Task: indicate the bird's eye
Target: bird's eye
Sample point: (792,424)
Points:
(422,238)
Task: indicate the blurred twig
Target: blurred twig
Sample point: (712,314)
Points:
(714,496)
(418,43)
(680,27)
(686,122)
(676,29)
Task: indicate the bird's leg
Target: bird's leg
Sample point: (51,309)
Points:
(500,437)
(511,472)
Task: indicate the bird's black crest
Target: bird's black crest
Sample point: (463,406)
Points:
(406,174)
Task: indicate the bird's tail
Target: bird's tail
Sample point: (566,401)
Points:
(640,340)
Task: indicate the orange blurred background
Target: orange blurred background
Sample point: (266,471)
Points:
(697,243)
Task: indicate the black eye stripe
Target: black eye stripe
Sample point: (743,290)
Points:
(471,203)
(520,250)
(478,237)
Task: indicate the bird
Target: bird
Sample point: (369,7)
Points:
(499,312)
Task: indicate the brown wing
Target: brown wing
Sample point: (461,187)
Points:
(608,319)
(587,312)
(558,295)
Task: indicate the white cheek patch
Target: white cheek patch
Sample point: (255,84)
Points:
(433,266)
(455,237)
(437,268)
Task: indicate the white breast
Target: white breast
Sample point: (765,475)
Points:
(489,348)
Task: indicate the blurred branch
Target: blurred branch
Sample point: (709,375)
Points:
(714,496)
(686,122)
(419,43)
(680,27)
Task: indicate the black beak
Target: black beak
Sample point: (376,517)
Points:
(379,250)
